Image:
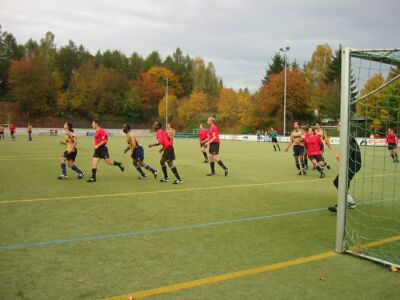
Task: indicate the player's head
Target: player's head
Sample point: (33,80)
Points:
(157,125)
(390,130)
(210,120)
(126,128)
(272,129)
(68,126)
(318,124)
(95,124)
(201,126)
(311,130)
(296,125)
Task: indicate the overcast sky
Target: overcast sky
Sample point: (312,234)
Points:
(238,36)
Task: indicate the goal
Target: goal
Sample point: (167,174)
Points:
(372,229)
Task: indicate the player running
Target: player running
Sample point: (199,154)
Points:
(273,135)
(391,141)
(69,155)
(213,141)
(325,139)
(101,151)
(203,136)
(137,153)
(168,153)
(312,143)
(297,140)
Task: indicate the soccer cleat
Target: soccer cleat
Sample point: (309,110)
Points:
(62,177)
(205,161)
(211,174)
(155,173)
(328,166)
(226,170)
(333,208)
(304,172)
(322,175)
(298,172)
(177,181)
(80,176)
(143,177)
(121,167)
(351,205)
(164,180)
(91,179)
(306,167)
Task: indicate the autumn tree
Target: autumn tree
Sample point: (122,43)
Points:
(172,107)
(229,107)
(277,66)
(192,108)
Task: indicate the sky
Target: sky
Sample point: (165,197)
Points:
(239,37)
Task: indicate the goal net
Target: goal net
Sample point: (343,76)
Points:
(370,108)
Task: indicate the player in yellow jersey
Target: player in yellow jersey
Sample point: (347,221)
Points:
(297,140)
(137,153)
(69,156)
(29,130)
(325,139)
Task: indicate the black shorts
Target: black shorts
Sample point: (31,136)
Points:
(101,152)
(138,153)
(274,140)
(70,156)
(169,154)
(298,150)
(214,148)
(392,146)
(318,158)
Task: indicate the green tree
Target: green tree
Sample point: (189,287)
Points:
(275,67)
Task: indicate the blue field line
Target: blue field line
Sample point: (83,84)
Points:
(161,230)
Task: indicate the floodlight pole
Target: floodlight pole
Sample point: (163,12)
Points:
(166,103)
(284,50)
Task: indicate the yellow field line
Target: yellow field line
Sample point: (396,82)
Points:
(154,192)
(214,279)
(266,268)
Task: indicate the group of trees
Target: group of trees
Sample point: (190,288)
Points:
(70,81)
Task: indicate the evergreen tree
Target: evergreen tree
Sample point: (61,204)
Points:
(275,67)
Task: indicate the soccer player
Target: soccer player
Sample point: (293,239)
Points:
(274,138)
(12,129)
(312,143)
(69,155)
(1,132)
(101,151)
(325,139)
(170,131)
(305,159)
(297,140)
(168,153)
(213,142)
(354,166)
(30,132)
(391,140)
(203,136)
(137,153)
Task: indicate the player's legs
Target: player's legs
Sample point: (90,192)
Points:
(138,165)
(63,167)
(148,167)
(164,169)
(95,162)
(175,171)
(298,164)
(203,150)
(318,164)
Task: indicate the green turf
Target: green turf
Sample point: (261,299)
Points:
(120,265)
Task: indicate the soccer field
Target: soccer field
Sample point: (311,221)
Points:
(263,232)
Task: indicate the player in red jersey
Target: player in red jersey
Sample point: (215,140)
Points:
(168,153)
(203,136)
(101,150)
(213,141)
(391,140)
(312,143)
(12,129)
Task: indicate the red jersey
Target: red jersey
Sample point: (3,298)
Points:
(312,144)
(164,139)
(12,127)
(391,138)
(203,134)
(100,135)
(213,132)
